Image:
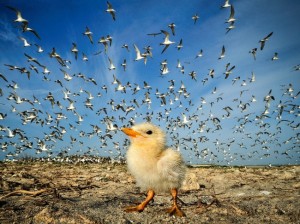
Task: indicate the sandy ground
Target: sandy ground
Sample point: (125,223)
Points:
(97,193)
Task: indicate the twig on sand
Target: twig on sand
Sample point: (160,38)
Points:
(32,193)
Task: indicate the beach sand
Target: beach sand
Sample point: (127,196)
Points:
(47,192)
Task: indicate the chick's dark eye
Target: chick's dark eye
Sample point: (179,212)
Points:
(149,132)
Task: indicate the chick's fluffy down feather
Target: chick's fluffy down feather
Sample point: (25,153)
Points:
(171,169)
(160,173)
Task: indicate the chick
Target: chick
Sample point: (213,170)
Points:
(155,167)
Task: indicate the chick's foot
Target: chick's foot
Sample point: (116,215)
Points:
(137,208)
(175,210)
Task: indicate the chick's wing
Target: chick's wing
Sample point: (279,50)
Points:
(171,166)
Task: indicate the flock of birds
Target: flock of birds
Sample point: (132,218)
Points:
(60,124)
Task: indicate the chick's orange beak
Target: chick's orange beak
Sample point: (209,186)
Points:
(130,132)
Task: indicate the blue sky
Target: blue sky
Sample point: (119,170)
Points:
(244,137)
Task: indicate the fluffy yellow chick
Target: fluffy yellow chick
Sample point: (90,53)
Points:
(155,167)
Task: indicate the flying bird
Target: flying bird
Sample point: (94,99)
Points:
(25,28)
(179,46)
(111,65)
(296,67)
(84,57)
(104,41)
(39,48)
(164,70)
(230,27)
(25,42)
(263,41)
(253,52)
(148,51)
(231,16)
(19,18)
(166,42)
(74,50)
(155,167)
(88,33)
(222,53)
(252,79)
(111,10)
(211,73)
(228,72)
(200,54)
(138,53)
(172,27)
(109,39)
(31,59)
(226,4)
(195,18)
(126,47)
(275,57)
(124,65)
(154,34)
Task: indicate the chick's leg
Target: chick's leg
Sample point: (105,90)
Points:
(175,210)
(140,207)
